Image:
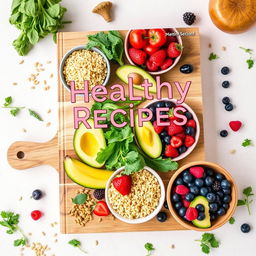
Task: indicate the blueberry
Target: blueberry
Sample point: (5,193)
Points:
(167,139)
(160,104)
(213,207)
(218,200)
(226,199)
(224,133)
(161,216)
(191,184)
(209,171)
(225,71)
(225,184)
(187,178)
(179,181)
(188,115)
(182,211)
(166,205)
(163,134)
(194,190)
(211,197)
(227,191)
(220,194)
(178,205)
(182,149)
(219,177)
(153,109)
(175,197)
(37,194)
(186,69)
(225,84)
(226,100)
(169,104)
(201,216)
(208,181)
(199,182)
(225,206)
(204,191)
(185,173)
(189,197)
(245,228)
(221,211)
(229,107)
(200,208)
(190,131)
(213,216)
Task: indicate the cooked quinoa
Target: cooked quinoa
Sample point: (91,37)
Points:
(142,200)
(84,65)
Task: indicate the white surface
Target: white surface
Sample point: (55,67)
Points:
(128,14)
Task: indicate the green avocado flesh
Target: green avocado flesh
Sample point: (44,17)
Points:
(125,71)
(88,142)
(206,223)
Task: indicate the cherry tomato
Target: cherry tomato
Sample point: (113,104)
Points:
(157,37)
(150,49)
(137,38)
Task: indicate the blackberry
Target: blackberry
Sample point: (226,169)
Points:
(216,186)
(189,18)
(99,194)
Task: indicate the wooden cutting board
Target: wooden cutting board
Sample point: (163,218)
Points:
(23,155)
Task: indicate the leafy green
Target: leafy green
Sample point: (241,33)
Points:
(80,199)
(36,19)
(149,247)
(111,43)
(19,242)
(250,63)
(8,101)
(207,242)
(247,50)
(232,220)
(76,244)
(35,114)
(247,142)
(247,192)
(213,56)
(14,111)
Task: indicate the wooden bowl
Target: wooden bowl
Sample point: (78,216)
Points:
(221,220)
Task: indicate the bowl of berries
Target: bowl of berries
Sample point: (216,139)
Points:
(202,196)
(155,50)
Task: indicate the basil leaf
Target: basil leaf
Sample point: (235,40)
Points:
(80,199)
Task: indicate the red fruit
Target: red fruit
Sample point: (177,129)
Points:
(150,49)
(181,190)
(235,125)
(171,151)
(186,203)
(189,141)
(151,66)
(101,209)
(157,128)
(181,135)
(167,63)
(176,141)
(137,38)
(36,215)
(157,37)
(191,123)
(197,171)
(137,56)
(173,129)
(191,214)
(174,50)
(123,184)
(158,57)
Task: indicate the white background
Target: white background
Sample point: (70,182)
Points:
(127,14)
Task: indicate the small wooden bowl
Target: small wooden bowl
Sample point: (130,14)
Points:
(221,220)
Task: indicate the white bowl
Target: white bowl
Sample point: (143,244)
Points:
(140,220)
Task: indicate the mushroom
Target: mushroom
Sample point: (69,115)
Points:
(103,9)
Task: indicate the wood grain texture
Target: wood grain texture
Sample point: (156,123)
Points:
(191,55)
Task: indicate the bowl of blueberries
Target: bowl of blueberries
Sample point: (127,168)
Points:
(202,196)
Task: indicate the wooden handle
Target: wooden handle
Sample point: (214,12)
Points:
(23,154)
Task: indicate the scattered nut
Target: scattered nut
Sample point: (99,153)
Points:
(49,111)
(103,9)
(223,48)
(21,62)
(20,199)
(210,45)
(233,151)
(48,124)
(14,83)
(96,242)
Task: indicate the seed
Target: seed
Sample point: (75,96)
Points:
(33,87)
(100,220)
(45,82)
(14,83)
(173,246)
(56,240)
(30,234)
(51,75)
(21,62)
(49,111)
(233,151)
(43,233)
(20,198)
(48,124)
(48,62)
(223,48)
(96,242)
(55,234)
(210,45)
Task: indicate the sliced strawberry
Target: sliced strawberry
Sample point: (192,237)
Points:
(186,203)
(174,129)
(167,63)
(181,190)
(171,151)
(191,214)
(101,209)
(176,141)
(189,141)
(151,66)
(181,135)
(157,128)
(137,56)
(191,123)
(158,57)
(123,184)
(197,171)
(235,125)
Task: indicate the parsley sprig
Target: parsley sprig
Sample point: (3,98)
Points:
(77,244)
(213,56)
(10,220)
(250,61)
(247,192)
(247,142)
(207,242)
(232,220)
(149,247)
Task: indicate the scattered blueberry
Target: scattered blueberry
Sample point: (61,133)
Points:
(226,191)
(182,149)
(190,131)
(226,100)
(161,216)
(204,191)
(221,211)
(219,177)
(194,190)
(224,133)
(209,181)
(186,69)
(225,84)
(179,181)
(227,199)
(201,216)
(166,205)
(200,208)
(37,194)
(189,197)
(211,197)
(182,211)
(225,184)
(188,115)
(175,197)
(199,182)
(245,228)
(229,107)
(187,178)
(178,205)
(213,207)
(225,70)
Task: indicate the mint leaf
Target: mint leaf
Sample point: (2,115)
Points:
(240,202)
(74,242)
(8,101)
(232,220)
(250,63)
(206,237)
(205,248)
(15,111)
(247,142)
(80,199)
(19,242)
(213,56)
(248,191)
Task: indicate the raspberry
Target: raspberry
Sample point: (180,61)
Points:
(197,171)
(191,214)
(181,190)
(36,215)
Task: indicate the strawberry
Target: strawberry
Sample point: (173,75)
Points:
(170,151)
(137,56)
(181,190)
(197,171)
(176,142)
(174,50)
(167,63)
(151,66)
(36,215)
(174,129)
(181,135)
(101,209)
(189,141)
(191,123)
(157,128)
(158,57)
(186,203)
(123,184)
(191,214)
(235,125)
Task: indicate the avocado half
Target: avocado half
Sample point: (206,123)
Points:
(148,139)
(123,72)
(88,142)
(206,223)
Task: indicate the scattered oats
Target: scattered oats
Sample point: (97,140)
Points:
(20,199)
(39,249)
(46,88)
(52,225)
(40,65)
(33,87)
(100,220)
(49,111)
(210,45)
(29,79)
(48,62)
(45,82)
(21,62)
(55,223)
(37,74)
(42,69)
(36,64)
(223,48)
(233,151)
(36,82)
(43,233)
(48,124)
(97,242)
(14,83)
(51,75)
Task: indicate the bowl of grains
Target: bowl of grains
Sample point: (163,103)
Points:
(142,203)
(79,65)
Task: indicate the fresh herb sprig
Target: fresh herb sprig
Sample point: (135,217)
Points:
(77,244)
(247,142)
(247,192)
(10,220)
(250,61)
(232,220)
(150,248)
(213,56)
(207,242)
